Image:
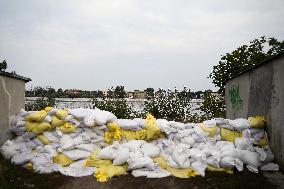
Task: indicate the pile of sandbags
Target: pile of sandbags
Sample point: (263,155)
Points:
(81,142)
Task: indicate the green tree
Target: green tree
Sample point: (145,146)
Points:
(119,92)
(150,92)
(3,65)
(244,58)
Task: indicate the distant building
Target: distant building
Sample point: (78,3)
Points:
(73,91)
(139,94)
(12,99)
(130,94)
(105,93)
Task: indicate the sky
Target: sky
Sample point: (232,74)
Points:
(95,44)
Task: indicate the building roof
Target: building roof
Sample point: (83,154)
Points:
(16,76)
(258,65)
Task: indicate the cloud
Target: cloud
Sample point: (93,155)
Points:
(93,44)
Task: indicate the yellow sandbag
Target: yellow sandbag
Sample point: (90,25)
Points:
(61,114)
(36,116)
(40,128)
(152,128)
(62,160)
(55,122)
(115,130)
(211,168)
(67,128)
(177,172)
(182,173)
(129,135)
(43,139)
(229,135)
(92,161)
(30,125)
(102,174)
(161,161)
(29,166)
(257,122)
(210,130)
(263,141)
(47,109)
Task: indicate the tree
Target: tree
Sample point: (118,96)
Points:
(119,92)
(244,58)
(3,65)
(150,92)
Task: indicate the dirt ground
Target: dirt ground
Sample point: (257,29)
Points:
(18,177)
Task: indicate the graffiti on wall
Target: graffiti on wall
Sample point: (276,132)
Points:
(235,98)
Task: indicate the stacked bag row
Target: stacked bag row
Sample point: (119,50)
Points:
(81,142)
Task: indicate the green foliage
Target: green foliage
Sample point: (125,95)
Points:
(244,58)
(118,107)
(40,104)
(213,106)
(150,92)
(45,99)
(171,105)
(3,65)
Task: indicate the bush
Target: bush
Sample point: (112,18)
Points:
(118,107)
(40,104)
(170,105)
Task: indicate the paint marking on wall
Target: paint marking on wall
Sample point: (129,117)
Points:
(235,98)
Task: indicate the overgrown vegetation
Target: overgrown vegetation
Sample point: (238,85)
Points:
(236,62)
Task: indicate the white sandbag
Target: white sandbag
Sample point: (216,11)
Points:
(180,154)
(165,126)
(129,124)
(227,162)
(134,145)
(29,135)
(249,158)
(87,147)
(47,149)
(156,173)
(200,133)
(52,112)
(200,167)
(239,124)
(43,163)
(102,117)
(70,119)
(138,160)
(77,169)
(31,144)
(50,136)
(18,130)
(37,142)
(150,150)
(9,149)
(260,151)
(109,152)
(221,121)
(177,125)
(184,133)
(122,156)
(252,169)
(270,167)
(89,119)
(188,140)
(227,149)
(20,159)
(78,113)
(269,155)
(66,142)
(47,118)
(76,154)
(210,123)
(244,143)
(77,132)
(213,161)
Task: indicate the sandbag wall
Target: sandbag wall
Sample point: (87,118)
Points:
(81,142)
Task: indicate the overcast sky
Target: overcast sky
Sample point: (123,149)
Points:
(94,44)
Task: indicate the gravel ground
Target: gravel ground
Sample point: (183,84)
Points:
(18,177)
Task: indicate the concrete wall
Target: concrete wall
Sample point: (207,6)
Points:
(261,92)
(12,99)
